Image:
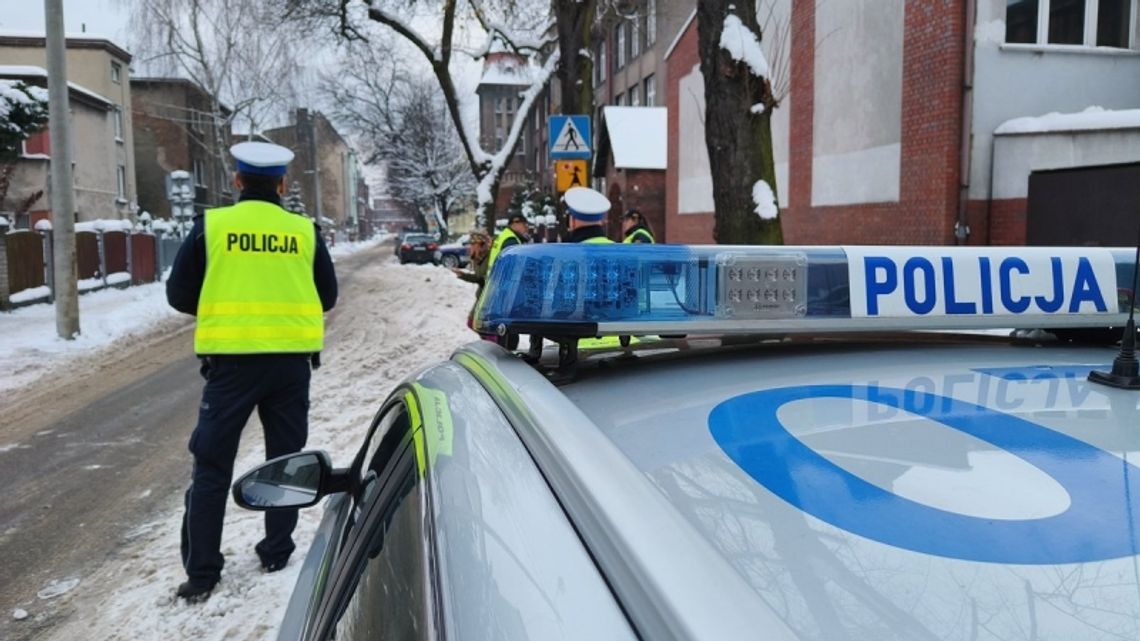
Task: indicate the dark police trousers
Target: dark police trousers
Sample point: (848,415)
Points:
(278,386)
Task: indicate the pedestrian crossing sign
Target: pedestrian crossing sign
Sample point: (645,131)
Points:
(570,137)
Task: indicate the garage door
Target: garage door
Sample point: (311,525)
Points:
(1096,206)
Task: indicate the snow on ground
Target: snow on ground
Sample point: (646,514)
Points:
(108,319)
(391,320)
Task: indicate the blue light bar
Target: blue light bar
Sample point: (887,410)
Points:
(598,290)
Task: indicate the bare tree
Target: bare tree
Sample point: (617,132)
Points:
(237,51)
(401,119)
(739,99)
(523,28)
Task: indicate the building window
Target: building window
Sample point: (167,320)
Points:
(199,172)
(117,115)
(650,23)
(618,99)
(635,39)
(600,67)
(121,175)
(635,95)
(619,46)
(116,72)
(650,91)
(38,145)
(1091,23)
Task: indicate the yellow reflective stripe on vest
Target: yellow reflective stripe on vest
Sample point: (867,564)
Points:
(260,309)
(639,232)
(258,295)
(597,240)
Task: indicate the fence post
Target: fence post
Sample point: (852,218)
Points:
(4,284)
(130,257)
(49,264)
(102,256)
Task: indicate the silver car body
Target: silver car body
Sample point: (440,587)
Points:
(937,487)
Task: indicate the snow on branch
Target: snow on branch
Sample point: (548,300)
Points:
(514,40)
(406,30)
(742,44)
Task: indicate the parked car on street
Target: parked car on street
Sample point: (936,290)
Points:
(841,446)
(416,248)
(453,254)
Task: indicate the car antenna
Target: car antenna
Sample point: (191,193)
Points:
(1125,372)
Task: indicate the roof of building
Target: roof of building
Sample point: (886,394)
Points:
(29,71)
(680,33)
(74,41)
(507,69)
(638,137)
(1091,119)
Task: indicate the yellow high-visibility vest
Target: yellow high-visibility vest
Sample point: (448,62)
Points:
(597,240)
(259,296)
(642,232)
(497,246)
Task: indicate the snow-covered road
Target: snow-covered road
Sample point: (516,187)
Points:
(390,321)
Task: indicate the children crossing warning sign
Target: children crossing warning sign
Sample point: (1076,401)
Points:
(569,137)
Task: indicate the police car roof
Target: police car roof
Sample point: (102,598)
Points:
(955,489)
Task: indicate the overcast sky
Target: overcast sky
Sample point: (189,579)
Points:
(102,17)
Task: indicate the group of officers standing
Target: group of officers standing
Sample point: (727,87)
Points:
(260,330)
(586,209)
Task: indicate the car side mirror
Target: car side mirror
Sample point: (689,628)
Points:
(290,481)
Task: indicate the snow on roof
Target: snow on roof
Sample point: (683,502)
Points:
(1091,119)
(28,71)
(638,136)
(508,72)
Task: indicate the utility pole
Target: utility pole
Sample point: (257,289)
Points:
(66,290)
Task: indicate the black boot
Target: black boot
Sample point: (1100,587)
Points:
(194,593)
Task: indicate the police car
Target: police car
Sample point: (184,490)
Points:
(746,443)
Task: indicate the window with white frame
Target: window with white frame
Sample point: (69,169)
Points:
(619,45)
(121,176)
(618,99)
(650,22)
(650,91)
(116,72)
(600,64)
(117,116)
(635,95)
(635,39)
(199,172)
(1089,23)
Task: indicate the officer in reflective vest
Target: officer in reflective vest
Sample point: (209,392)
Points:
(259,279)
(587,209)
(635,228)
(516,233)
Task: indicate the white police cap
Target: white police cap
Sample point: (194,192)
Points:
(261,158)
(587,205)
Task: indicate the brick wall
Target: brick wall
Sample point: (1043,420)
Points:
(680,228)
(1007,221)
(640,189)
(930,132)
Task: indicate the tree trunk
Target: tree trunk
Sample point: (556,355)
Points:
(739,141)
(575,71)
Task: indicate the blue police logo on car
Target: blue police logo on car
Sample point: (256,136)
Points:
(1099,523)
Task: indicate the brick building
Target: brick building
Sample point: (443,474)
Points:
(900,125)
(505,76)
(98,73)
(174,130)
(631,157)
(324,167)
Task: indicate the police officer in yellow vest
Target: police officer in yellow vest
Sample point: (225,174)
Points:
(635,228)
(587,209)
(516,233)
(259,280)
